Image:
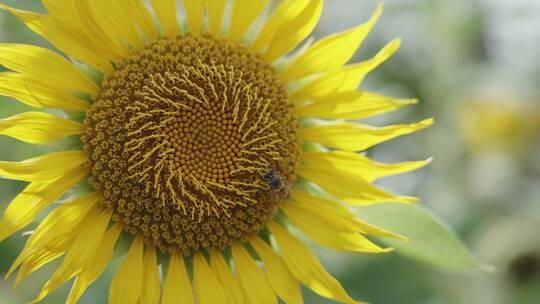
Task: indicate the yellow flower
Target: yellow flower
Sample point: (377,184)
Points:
(200,140)
(499,122)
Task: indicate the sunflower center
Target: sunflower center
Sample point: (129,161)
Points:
(192,143)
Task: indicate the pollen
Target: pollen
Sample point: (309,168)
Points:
(180,137)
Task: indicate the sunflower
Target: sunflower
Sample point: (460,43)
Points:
(205,137)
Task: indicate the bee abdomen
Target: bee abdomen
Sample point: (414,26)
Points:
(276,183)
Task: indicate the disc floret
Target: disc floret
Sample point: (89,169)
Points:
(180,136)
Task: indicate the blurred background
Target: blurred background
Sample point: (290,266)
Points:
(475,66)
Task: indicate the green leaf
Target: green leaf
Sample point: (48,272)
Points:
(430,240)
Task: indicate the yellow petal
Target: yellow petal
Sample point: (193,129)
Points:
(355,191)
(330,52)
(284,284)
(252,279)
(38,95)
(358,137)
(60,8)
(141,16)
(76,292)
(244,14)
(86,243)
(128,281)
(226,279)
(43,168)
(84,20)
(333,213)
(177,286)
(194,12)
(38,260)
(58,224)
(207,286)
(90,273)
(39,127)
(116,24)
(216,10)
(151,287)
(97,29)
(67,38)
(41,63)
(345,78)
(34,198)
(81,252)
(291,32)
(34,258)
(305,266)
(327,234)
(351,105)
(66,12)
(166,12)
(358,165)
(283,14)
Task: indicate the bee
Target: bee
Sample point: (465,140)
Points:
(276,183)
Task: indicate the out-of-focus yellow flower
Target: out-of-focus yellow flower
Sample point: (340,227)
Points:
(491,123)
(193,144)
